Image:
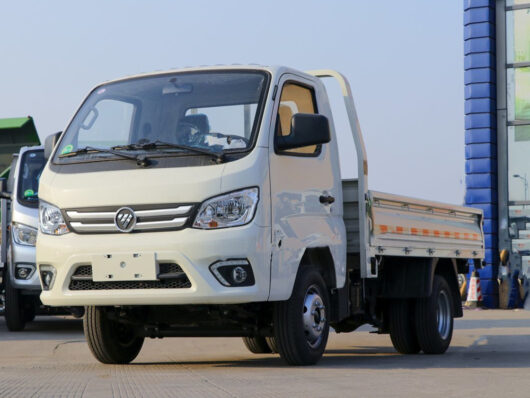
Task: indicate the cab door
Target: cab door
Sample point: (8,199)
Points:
(302,186)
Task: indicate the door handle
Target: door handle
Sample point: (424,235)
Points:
(326,199)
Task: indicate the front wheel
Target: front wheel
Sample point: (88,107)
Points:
(301,326)
(257,345)
(14,306)
(111,342)
(434,318)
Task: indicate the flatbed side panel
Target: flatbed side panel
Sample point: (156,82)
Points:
(402,226)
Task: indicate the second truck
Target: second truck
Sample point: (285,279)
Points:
(209,202)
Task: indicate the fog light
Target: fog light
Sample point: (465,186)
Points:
(233,273)
(47,276)
(24,271)
(239,275)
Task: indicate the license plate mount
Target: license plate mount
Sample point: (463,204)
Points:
(116,267)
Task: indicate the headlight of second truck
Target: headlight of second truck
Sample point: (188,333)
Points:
(51,220)
(24,235)
(229,210)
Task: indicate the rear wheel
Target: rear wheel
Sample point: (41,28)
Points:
(434,318)
(402,326)
(14,305)
(271,341)
(257,345)
(111,342)
(301,326)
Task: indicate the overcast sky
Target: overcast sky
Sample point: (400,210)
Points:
(404,60)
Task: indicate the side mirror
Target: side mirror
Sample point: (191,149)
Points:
(306,129)
(4,194)
(50,143)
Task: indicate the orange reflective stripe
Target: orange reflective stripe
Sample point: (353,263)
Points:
(398,229)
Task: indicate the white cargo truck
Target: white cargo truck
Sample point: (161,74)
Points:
(209,202)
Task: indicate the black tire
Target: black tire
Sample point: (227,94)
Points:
(111,342)
(402,326)
(14,306)
(434,318)
(299,342)
(257,345)
(271,342)
(30,309)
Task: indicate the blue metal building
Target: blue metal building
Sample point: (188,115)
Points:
(497,136)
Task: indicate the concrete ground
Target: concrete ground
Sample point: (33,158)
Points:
(489,357)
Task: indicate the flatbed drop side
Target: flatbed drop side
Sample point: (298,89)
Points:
(247,232)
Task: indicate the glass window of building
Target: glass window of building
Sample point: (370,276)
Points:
(511,3)
(518,87)
(518,164)
(518,36)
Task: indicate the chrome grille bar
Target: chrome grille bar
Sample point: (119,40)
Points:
(75,215)
(140,226)
(107,215)
(174,223)
(177,211)
(102,221)
(80,227)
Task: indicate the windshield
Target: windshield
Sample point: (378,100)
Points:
(214,111)
(31,165)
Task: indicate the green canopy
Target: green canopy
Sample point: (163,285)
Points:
(15,133)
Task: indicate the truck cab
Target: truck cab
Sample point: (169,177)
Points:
(20,215)
(209,202)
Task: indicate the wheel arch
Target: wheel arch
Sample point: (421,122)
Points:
(321,258)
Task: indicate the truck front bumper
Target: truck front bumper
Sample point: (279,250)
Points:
(23,256)
(193,250)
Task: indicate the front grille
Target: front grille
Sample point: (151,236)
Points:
(83,270)
(176,279)
(169,268)
(147,218)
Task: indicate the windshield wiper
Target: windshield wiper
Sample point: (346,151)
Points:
(218,155)
(140,160)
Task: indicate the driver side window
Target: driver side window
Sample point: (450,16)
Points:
(295,99)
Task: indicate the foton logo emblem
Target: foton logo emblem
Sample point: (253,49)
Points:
(125,219)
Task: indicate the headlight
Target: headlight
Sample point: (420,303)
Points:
(24,235)
(229,210)
(51,220)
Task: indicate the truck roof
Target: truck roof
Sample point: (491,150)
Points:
(272,69)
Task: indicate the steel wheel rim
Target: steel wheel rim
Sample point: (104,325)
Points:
(313,316)
(443,315)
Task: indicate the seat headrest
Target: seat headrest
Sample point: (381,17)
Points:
(200,120)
